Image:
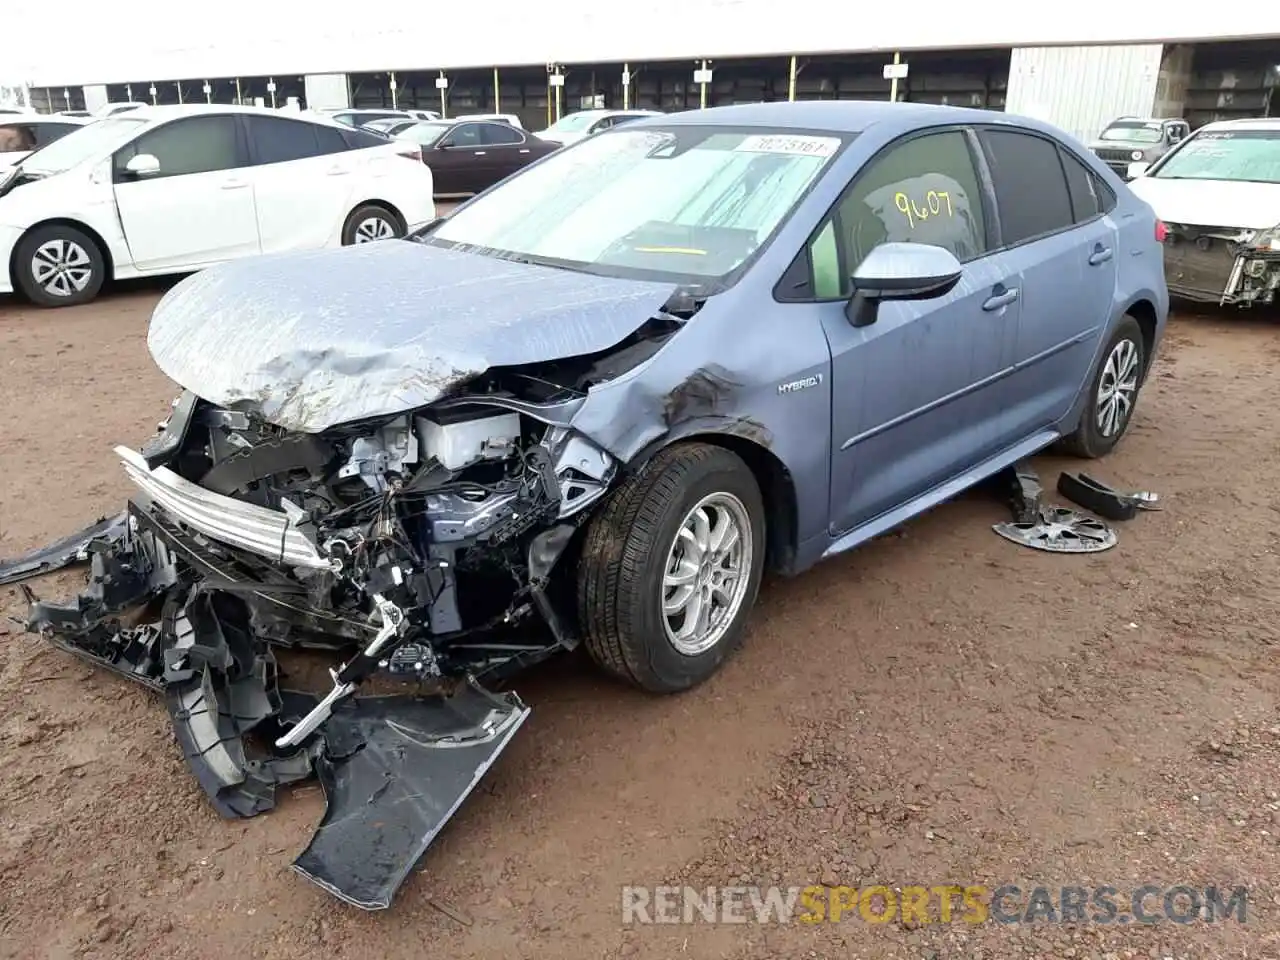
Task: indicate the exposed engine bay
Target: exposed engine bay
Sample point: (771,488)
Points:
(424,548)
(1222,265)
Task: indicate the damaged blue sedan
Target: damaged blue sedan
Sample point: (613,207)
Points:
(589,409)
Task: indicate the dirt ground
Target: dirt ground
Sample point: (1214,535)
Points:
(938,707)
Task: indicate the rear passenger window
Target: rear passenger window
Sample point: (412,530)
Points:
(1087,197)
(1031,189)
(922,191)
(498,134)
(360,139)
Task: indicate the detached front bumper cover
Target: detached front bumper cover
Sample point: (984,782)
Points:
(394,769)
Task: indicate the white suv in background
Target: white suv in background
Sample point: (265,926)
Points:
(172,189)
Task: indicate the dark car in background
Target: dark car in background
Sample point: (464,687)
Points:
(1134,139)
(468,156)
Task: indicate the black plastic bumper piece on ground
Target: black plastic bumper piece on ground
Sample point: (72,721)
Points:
(1097,497)
(63,553)
(394,770)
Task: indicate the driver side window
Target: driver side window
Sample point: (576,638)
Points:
(184,147)
(924,190)
(464,135)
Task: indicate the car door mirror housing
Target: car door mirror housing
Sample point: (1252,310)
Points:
(900,271)
(143,165)
(1136,169)
(444,145)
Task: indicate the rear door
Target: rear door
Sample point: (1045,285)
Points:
(302,175)
(1065,247)
(505,150)
(198,208)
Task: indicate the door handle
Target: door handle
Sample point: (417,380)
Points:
(1002,299)
(478,153)
(526,150)
(234,184)
(1099,255)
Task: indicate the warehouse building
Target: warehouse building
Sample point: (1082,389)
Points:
(670,55)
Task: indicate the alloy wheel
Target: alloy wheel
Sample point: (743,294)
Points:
(706,573)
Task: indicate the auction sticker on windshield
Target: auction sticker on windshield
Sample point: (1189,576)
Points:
(796,146)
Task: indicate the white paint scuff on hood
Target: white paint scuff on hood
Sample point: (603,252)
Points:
(1218,203)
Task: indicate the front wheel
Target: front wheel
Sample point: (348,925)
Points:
(1113,393)
(670,568)
(371,222)
(58,266)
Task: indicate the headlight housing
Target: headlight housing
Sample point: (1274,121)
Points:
(1268,239)
(1136,155)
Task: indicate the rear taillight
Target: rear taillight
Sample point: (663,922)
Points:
(1161,231)
(411,153)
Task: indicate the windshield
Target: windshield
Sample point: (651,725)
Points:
(84,143)
(573,123)
(425,133)
(689,202)
(1243,155)
(1134,132)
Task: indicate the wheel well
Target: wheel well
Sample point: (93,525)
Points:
(389,207)
(776,487)
(84,228)
(1144,312)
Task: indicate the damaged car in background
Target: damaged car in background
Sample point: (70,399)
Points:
(589,409)
(1218,194)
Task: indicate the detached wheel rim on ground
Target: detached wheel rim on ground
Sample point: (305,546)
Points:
(705,577)
(374,228)
(62,268)
(1117,388)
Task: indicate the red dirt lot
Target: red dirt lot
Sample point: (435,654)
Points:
(940,707)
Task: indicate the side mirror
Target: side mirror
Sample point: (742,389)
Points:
(444,145)
(143,165)
(1136,169)
(900,271)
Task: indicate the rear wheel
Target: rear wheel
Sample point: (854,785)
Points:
(59,266)
(1113,393)
(670,568)
(369,223)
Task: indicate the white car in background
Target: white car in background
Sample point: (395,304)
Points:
(576,126)
(508,118)
(172,189)
(122,106)
(20,134)
(1218,194)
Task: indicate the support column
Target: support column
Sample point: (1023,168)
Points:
(323,91)
(95,96)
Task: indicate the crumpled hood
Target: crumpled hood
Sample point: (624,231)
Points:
(313,340)
(1219,203)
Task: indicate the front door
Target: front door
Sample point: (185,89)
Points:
(914,393)
(458,160)
(198,208)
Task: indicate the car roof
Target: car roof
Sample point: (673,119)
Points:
(175,110)
(1244,123)
(12,118)
(839,116)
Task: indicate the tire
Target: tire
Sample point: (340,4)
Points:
(1125,354)
(628,547)
(369,222)
(58,266)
